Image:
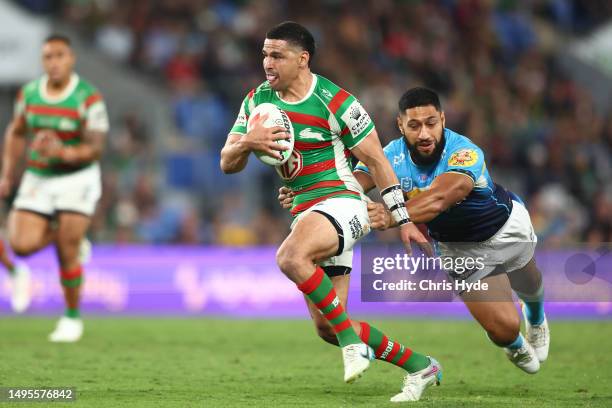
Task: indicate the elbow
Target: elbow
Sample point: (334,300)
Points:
(225,167)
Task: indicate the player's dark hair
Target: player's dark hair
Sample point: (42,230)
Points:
(419,96)
(58,37)
(295,34)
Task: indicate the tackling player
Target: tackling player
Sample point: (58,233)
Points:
(330,212)
(449,189)
(65,119)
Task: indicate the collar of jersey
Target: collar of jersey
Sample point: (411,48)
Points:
(42,89)
(308,94)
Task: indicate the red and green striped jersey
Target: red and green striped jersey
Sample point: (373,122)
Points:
(327,123)
(80,107)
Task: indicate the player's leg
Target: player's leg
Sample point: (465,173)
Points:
(312,238)
(527,284)
(71,230)
(19,275)
(315,237)
(422,371)
(29,231)
(496,312)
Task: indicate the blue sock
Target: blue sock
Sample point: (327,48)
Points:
(534,306)
(517,343)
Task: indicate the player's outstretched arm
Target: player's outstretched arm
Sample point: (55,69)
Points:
(14,148)
(446,190)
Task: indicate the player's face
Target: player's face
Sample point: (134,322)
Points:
(423,128)
(58,61)
(282,63)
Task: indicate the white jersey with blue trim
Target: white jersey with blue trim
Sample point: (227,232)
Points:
(475,219)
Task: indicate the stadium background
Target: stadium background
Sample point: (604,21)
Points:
(528,81)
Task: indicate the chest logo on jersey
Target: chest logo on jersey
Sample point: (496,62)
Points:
(326,93)
(292,167)
(309,134)
(398,159)
(66,125)
(463,157)
(406,183)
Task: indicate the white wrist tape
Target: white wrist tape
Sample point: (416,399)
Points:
(394,200)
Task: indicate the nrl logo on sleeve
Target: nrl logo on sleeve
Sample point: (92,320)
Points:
(463,157)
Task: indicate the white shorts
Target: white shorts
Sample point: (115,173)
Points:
(350,218)
(511,248)
(78,192)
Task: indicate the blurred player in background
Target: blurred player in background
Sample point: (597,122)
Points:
(449,188)
(330,212)
(65,118)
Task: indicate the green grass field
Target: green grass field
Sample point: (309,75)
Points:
(219,363)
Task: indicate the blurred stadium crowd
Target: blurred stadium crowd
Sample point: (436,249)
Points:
(493,62)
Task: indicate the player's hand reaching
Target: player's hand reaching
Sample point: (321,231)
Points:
(263,139)
(410,232)
(381,219)
(285,197)
(47,143)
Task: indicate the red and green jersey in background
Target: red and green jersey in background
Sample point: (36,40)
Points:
(327,123)
(77,109)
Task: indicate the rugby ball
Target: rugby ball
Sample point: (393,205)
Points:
(276,117)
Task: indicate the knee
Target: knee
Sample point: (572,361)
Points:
(326,333)
(504,329)
(288,259)
(22,245)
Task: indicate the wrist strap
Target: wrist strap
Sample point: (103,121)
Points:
(394,200)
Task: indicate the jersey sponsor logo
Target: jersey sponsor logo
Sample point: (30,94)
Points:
(241,120)
(463,157)
(357,229)
(356,118)
(309,134)
(292,167)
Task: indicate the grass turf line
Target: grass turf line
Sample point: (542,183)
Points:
(220,363)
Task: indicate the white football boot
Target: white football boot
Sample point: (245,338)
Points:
(85,251)
(416,383)
(68,330)
(21,288)
(538,336)
(524,358)
(356,360)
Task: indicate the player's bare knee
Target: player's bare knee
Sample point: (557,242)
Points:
(288,259)
(21,246)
